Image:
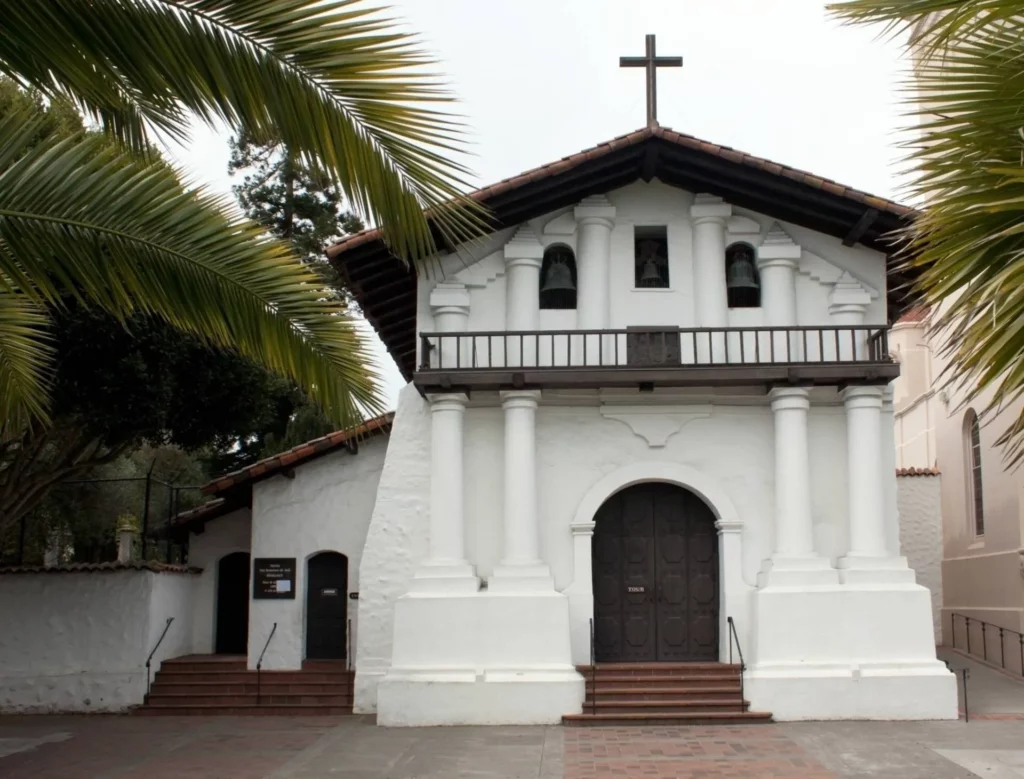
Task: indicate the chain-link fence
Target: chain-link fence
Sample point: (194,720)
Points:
(80,520)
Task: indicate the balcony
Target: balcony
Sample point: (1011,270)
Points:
(644,358)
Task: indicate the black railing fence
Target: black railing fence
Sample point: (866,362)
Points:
(259,663)
(653,347)
(159,641)
(81,520)
(996,645)
(734,638)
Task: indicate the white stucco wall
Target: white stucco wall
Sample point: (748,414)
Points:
(326,507)
(920,500)
(79,641)
(222,536)
(730,444)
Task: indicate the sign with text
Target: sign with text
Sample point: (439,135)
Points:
(273,578)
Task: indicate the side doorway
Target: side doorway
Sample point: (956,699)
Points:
(233,573)
(326,606)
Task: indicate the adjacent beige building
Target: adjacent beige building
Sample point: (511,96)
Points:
(980,495)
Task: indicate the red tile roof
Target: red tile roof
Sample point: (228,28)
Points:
(918,313)
(639,136)
(917,471)
(302,453)
(138,565)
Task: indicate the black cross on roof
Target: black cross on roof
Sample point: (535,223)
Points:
(651,62)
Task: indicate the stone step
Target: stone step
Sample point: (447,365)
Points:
(210,710)
(678,705)
(176,676)
(662,693)
(240,688)
(670,680)
(661,669)
(212,665)
(674,718)
(250,699)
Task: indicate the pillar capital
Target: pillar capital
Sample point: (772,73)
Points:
(595,210)
(520,398)
(448,401)
(524,245)
(784,263)
(778,246)
(725,528)
(862,397)
(783,398)
(849,298)
(710,209)
(450,298)
(582,528)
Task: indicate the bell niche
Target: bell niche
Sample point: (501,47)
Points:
(558,278)
(741,278)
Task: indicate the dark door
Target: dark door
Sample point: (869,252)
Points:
(655,563)
(326,606)
(233,604)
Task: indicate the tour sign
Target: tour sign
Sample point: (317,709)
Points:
(274,578)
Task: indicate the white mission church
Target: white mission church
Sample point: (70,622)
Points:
(648,425)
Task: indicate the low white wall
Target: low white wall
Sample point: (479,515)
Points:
(221,537)
(920,499)
(325,508)
(79,641)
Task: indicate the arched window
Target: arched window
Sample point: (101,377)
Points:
(741,278)
(558,278)
(972,459)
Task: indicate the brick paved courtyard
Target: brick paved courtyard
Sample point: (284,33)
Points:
(354,748)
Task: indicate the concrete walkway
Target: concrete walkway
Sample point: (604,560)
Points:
(990,693)
(117,747)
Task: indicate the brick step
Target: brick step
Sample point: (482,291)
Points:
(235,677)
(250,699)
(209,666)
(678,706)
(214,710)
(334,666)
(687,718)
(241,688)
(690,669)
(671,680)
(662,693)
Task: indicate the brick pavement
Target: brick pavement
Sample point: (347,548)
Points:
(687,753)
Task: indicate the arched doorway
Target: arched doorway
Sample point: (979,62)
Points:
(655,577)
(326,606)
(233,604)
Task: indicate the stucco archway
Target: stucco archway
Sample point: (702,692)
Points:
(734,592)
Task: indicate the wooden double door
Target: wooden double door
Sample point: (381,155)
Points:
(655,568)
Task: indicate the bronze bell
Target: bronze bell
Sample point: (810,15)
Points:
(559,278)
(741,272)
(650,277)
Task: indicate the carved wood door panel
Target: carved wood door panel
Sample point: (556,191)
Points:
(655,564)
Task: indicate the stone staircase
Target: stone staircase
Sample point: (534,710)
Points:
(664,694)
(207,685)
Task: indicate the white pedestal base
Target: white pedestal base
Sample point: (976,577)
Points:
(521,578)
(445,579)
(875,570)
(848,652)
(487,658)
(796,572)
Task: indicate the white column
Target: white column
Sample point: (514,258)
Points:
(847,304)
(892,513)
(580,591)
(794,560)
(450,305)
(523,257)
(446,568)
(734,593)
(709,215)
(777,262)
(595,218)
(521,568)
(868,557)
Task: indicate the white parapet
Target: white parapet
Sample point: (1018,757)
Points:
(848,652)
(480,659)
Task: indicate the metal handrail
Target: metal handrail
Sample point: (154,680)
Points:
(710,346)
(593,671)
(348,646)
(984,639)
(159,641)
(733,636)
(259,663)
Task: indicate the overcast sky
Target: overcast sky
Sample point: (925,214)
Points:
(539,79)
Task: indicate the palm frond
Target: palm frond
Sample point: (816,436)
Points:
(968,171)
(119,232)
(25,353)
(332,79)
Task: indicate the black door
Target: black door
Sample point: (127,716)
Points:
(233,604)
(326,606)
(655,563)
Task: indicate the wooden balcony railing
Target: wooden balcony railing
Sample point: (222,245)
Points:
(647,348)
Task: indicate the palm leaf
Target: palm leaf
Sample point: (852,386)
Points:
(332,79)
(968,160)
(119,232)
(25,353)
